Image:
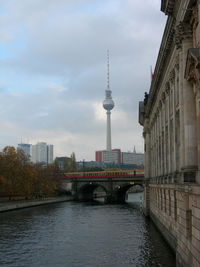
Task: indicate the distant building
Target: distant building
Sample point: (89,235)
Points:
(132,158)
(50,154)
(106,156)
(118,157)
(83,165)
(26,148)
(42,153)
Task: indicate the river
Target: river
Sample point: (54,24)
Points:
(71,234)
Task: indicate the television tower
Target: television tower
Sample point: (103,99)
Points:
(108,105)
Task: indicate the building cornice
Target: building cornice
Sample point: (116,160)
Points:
(167,6)
(160,68)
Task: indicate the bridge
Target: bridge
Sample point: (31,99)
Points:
(115,184)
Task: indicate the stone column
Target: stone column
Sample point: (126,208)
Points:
(198,132)
(147,144)
(181,99)
(160,139)
(154,151)
(177,117)
(171,145)
(172,85)
(146,201)
(156,145)
(163,135)
(188,109)
(189,118)
(192,74)
(168,133)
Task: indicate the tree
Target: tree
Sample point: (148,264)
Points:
(5,187)
(46,183)
(19,177)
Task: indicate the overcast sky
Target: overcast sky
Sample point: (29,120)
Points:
(53,71)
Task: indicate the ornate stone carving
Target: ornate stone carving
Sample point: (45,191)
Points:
(194,18)
(172,76)
(192,70)
(167,88)
(163,97)
(146,95)
(141,112)
(182,31)
(176,66)
(160,105)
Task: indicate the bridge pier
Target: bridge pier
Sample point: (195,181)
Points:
(85,197)
(115,197)
(109,199)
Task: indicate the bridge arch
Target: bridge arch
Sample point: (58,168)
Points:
(120,191)
(86,191)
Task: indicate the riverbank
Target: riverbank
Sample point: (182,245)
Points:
(21,204)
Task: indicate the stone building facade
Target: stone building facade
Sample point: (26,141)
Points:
(170,115)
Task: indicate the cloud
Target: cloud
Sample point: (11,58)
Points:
(57,87)
(99,112)
(53,69)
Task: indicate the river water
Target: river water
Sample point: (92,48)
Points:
(82,235)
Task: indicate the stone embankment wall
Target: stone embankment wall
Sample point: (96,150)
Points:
(175,209)
(20,204)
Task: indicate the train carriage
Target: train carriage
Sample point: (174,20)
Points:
(105,174)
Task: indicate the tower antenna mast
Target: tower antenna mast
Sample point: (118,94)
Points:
(108,71)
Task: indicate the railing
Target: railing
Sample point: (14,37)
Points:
(105,174)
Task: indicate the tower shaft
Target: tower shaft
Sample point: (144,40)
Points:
(108,143)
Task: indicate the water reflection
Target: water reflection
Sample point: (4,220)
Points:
(81,234)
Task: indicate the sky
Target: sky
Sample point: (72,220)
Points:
(53,71)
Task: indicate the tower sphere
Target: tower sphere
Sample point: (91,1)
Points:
(108,104)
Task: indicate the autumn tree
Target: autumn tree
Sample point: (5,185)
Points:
(20,177)
(47,181)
